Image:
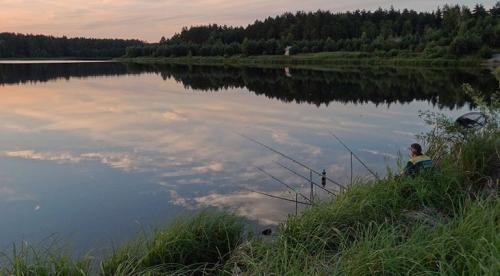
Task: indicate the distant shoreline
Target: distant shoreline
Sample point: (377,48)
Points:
(324,59)
(52,61)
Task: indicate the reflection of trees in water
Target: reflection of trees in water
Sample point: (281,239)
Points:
(441,87)
(43,72)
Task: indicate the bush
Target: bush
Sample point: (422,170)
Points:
(435,51)
(393,53)
(485,52)
(465,44)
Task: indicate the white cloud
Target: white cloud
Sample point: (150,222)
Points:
(404,133)
(176,199)
(253,206)
(173,117)
(122,161)
(212,167)
(250,205)
(9,194)
(283,137)
(376,152)
(58,157)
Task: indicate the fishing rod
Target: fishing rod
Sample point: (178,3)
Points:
(355,156)
(291,159)
(282,182)
(279,197)
(309,180)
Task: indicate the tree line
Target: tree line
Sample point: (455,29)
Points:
(451,31)
(14,45)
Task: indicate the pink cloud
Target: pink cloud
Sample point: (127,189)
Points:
(149,19)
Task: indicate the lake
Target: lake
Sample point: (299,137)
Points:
(94,153)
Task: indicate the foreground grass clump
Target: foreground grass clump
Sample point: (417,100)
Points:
(43,260)
(465,245)
(197,245)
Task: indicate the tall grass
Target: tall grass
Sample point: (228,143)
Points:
(196,245)
(42,259)
(188,246)
(466,245)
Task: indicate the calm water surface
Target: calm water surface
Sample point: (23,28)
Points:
(96,152)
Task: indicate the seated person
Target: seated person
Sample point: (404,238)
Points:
(418,161)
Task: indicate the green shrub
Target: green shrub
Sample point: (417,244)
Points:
(465,44)
(485,52)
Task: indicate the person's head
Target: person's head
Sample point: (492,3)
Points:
(415,149)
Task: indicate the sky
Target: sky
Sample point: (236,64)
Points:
(148,20)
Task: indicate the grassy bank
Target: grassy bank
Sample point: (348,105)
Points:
(324,59)
(444,222)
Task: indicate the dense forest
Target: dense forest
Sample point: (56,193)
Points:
(40,46)
(450,31)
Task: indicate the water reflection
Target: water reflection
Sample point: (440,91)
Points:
(384,85)
(102,151)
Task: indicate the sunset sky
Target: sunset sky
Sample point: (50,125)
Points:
(150,19)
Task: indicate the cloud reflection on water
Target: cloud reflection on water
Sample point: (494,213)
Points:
(247,204)
(179,145)
(8,194)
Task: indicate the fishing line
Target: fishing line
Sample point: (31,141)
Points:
(355,156)
(308,180)
(291,159)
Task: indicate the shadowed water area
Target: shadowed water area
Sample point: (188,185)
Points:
(96,152)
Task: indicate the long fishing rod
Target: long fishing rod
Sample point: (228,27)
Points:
(278,197)
(355,156)
(291,159)
(309,180)
(282,182)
